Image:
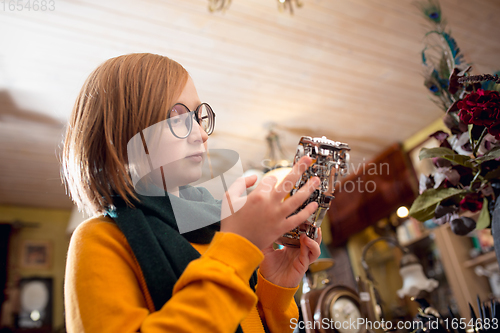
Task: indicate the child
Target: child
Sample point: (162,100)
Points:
(129,269)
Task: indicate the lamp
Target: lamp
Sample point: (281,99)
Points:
(218,5)
(414,280)
(222,5)
(412,272)
(275,162)
(275,156)
(288,4)
(402,212)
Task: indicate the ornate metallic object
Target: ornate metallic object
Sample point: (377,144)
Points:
(330,159)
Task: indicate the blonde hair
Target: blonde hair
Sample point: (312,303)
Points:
(123,96)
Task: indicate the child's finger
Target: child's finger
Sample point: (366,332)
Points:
(240,185)
(250,180)
(310,248)
(320,236)
(295,201)
(295,220)
(289,181)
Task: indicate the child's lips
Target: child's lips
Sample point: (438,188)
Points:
(195,157)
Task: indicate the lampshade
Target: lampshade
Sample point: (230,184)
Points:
(414,280)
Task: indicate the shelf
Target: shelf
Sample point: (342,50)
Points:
(412,241)
(481,259)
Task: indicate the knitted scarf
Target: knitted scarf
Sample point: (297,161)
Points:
(152,233)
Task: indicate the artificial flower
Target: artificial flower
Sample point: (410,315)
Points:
(471,202)
(467,161)
(482,108)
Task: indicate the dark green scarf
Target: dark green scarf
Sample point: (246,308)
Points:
(152,233)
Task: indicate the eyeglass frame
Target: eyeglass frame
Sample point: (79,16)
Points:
(198,120)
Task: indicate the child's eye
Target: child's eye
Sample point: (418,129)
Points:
(177,115)
(175,120)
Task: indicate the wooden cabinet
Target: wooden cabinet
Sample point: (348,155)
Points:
(454,269)
(465,284)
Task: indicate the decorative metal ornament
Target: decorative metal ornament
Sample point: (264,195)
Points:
(330,158)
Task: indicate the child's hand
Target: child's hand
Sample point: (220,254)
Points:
(264,216)
(287,266)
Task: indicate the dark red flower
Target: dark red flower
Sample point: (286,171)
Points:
(482,108)
(465,173)
(495,130)
(472,202)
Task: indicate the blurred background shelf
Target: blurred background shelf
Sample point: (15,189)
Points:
(481,259)
(424,236)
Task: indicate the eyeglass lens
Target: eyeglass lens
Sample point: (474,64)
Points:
(180,119)
(205,118)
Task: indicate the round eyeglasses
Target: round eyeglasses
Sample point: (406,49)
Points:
(180,119)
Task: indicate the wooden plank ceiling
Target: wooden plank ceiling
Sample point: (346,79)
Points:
(346,69)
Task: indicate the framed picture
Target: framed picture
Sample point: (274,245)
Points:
(36,254)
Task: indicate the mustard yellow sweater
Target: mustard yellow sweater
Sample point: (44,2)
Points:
(105,290)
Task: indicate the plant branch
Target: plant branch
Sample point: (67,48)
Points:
(478,142)
(474,179)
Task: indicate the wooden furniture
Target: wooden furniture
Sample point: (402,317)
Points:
(465,284)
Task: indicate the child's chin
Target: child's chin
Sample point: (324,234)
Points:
(192,177)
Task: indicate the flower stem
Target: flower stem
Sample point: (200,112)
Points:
(478,142)
(475,177)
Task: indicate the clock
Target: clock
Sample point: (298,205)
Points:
(339,310)
(35,313)
(328,306)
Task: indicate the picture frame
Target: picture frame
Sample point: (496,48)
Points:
(36,254)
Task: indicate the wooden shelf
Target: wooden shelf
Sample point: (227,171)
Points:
(481,259)
(465,284)
(425,234)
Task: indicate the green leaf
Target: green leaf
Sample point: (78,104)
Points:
(434,152)
(460,159)
(469,127)
(424,214)
(446,153)
(483,220)
(423,207)
(491,155)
